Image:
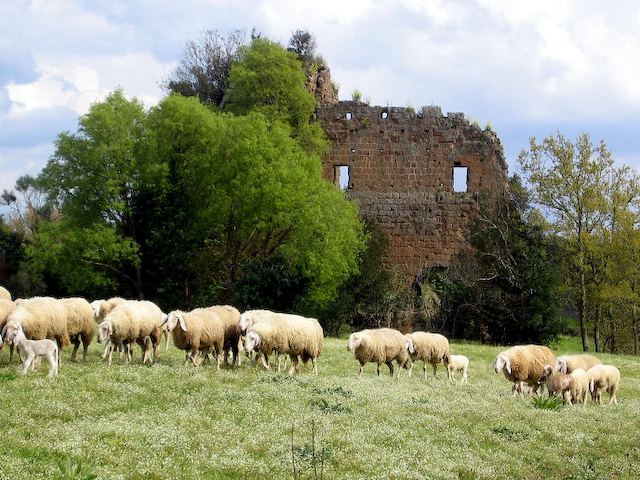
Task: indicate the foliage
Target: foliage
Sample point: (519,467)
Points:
(585,197)
(76,470)
(204,68)
(548,402)
(304,44)
(356,95)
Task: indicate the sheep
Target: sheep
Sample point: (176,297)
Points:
(381,345)
(200,332)
(288,334)
(431,348)
(40,318)
(567,364)
(557,385)
(79,325)
(231,317)
(248,318)
(579,386)
(5,294)
(458,363)
(134,321)
(523,364)
(100,310)
(604,378)
(30,349)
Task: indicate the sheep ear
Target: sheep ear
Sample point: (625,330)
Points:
(183,325)
(507,364)
(410,345)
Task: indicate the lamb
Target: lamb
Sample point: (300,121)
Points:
(458,363)
(4,294)
(523,364)
(79,325)
(431,348)
(134,321)
(288,334)
(567,364)
(201,331)
(557,385)
(40,318)
(604,378)
(30,349)
(579,386)
(381,345)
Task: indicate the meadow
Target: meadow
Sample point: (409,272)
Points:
(169,421)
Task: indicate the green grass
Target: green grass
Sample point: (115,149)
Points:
(168,421)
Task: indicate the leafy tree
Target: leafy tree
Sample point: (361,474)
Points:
(304,44)
(574,182)
(204,68)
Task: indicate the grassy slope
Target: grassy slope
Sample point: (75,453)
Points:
(168,421)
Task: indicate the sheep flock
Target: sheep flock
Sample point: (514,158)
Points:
(44,326)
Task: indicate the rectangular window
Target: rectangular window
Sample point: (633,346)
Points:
(341,176)
(460,179)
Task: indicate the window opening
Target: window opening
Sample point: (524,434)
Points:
(348,116)
(460,179)
(341,176)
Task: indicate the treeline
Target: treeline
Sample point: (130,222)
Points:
(215,195)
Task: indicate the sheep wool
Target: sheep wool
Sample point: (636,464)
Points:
(102,307)
(579,386)
(558,385)
(231,317)
(80,325)
(429,347)
(288,334)
(198,332)
(604,378)
(381,346)
(5,294)
(567,364)
(524,364)
(42,317)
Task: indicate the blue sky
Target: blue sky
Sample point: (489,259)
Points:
(526,68)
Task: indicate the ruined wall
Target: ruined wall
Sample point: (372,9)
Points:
(400,166)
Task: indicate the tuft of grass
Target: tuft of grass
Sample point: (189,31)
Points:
(72,469)
(547,403)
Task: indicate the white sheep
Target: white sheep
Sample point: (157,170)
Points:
(80,326)
(198,332)
(30,349)
(288,334)
(558,385)
(5,294)
(133,322)
(100,310)
(523,364)
(567,364)
(40,318)
(458,363)
(604,378)
(248,318)
(579,386)
(381,346)
(429,347)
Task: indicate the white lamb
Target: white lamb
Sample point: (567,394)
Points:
(429,347)
(579,386)
(604,378)
(523,364)
(198,332)
(30,349)
(133,322)
(568,363)
(458,363)
(558,385)
(381,346)
(286,334)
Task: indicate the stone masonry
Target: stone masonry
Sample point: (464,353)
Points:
(400,166)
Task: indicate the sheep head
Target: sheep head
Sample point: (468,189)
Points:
(410,346)
(561,365)
(251,341)
(547,371)
(245,322)
(355,339)
(105,330)
(501,362)
(173,319)
(9,328)
(16,336)
(96,308)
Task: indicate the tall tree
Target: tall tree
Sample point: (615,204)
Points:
(203,70)
(574,182)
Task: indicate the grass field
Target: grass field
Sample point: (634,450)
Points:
(170,421)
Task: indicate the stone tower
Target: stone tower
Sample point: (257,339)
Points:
(401,165)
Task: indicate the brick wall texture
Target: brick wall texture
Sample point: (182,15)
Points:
(400,166)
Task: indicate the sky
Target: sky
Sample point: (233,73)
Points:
(527,69)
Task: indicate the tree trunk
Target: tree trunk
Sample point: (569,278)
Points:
(581,309)
(596,330)
(634,329)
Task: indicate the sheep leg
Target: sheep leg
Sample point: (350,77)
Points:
(314,360)
(265,361)
(464,377)
(111,347)
(362,369)
(74,352)
(53,362)
(435,368)
(28,361)
(294,364)
(410,366)
(390,365)
(612,394)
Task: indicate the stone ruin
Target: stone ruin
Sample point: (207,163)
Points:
(418,174)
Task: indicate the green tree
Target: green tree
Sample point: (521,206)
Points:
(575,183)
